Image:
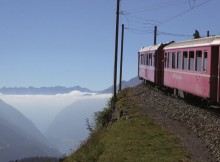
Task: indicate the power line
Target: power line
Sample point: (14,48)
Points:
(192,5)
(184,12)
(158,6)
(173,34)
(138,25)
(131,18)
(139,19)
(138,31)
(143,23)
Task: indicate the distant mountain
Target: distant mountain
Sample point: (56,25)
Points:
(69,126)
(41,90)
(130,83)
(60,89)
(19,137)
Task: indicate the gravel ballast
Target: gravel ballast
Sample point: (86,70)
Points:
(197,128)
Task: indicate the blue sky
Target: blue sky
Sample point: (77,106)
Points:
(71,42)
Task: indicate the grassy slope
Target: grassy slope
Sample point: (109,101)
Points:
(134,137)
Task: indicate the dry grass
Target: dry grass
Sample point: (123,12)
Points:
(134,137)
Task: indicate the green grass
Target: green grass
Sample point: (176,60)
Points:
(132,138)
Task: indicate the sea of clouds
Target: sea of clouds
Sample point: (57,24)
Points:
(42,109)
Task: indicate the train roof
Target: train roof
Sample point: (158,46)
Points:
(149,48)
(215,40)
(153,48)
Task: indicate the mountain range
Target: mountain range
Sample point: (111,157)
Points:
(130,83)
(41,90)
(19,137)
(60,89)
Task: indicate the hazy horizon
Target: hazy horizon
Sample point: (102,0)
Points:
(53,42)
(47,107)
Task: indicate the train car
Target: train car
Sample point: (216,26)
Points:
(192,67)
(149,63)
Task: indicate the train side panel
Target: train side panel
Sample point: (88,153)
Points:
(191,66)
(192,83)
(150,65)
(189,70)
(147,65)
(147,73)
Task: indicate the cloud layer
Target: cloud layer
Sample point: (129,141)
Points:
(42,109)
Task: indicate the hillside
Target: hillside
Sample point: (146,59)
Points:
(69,128)
(132,135)
(19,137)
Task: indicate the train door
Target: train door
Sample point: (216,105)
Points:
(214,72)
(161,62)
(218,89)
(158,66)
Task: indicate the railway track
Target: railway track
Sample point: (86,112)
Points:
(204,122)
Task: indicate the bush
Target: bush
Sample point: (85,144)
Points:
(102,118)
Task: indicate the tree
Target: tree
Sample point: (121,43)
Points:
(196,35)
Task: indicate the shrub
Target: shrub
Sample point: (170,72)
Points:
(102,118)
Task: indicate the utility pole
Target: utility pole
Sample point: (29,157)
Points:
(155,35)
(116,51)
(122,46)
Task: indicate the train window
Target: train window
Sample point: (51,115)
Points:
(170,60)
(198,60)
(150,59)
(153,58)
(179,60)
(165,60)
(147,59)
(173,60)
(185,60)
(205,61)
(141,59)
(191,60)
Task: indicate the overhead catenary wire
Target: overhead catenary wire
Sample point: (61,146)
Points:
(138,25)
(184,12)
(123,13)
(140,20)
(138,31)
(157,6)
(174,34)
(192,3)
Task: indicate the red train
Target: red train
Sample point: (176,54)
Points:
(186,67)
